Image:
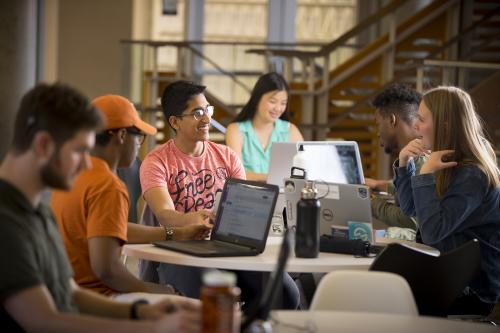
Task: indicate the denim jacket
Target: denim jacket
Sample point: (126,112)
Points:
(389,212)
(469,209)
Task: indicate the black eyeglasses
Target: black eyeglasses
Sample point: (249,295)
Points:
(141,137)
(199,113)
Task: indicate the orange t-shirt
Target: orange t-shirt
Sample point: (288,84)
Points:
(97,206)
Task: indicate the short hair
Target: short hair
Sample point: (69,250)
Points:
(103,138)
(268,82)
(58,109)
(398,99)
(177,95)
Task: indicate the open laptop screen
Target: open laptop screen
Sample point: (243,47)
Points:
(244,211)
(334,161)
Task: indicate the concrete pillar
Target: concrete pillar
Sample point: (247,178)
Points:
(193,30)
(281,29)
(281,21)
(18,60)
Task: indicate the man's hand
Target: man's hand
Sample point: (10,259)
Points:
(173,314)
(413,149)
(438,160)
(179,322)
(169,304)
(377,184)
(203,216)
(195,231)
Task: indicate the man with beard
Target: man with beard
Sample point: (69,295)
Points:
(93,233)
(395,115)
(54,132)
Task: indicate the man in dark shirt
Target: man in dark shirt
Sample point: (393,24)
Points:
(395,113)
(54,131)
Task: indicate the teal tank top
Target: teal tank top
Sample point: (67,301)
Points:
(255,158)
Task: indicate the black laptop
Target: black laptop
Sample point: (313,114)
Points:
(241,225)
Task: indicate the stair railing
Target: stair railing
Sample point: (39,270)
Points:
(447,64)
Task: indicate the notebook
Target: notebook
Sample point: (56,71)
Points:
(344,203)
(241,225)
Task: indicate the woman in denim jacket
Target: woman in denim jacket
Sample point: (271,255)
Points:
(456,196)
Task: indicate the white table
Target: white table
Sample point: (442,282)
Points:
(359,322)
(265,262)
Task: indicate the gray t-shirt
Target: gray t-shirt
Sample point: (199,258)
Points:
(31,252)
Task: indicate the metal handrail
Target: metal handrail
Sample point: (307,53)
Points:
(160,43)
(449,64)
(461,64)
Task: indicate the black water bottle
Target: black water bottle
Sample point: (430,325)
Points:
(307,234)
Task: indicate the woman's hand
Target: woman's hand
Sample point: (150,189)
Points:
(413,149)
(438,160)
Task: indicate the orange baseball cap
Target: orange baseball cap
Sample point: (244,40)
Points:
(121,113)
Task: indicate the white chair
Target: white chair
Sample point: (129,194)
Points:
(364,291)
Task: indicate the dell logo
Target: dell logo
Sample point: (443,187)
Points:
(327,214)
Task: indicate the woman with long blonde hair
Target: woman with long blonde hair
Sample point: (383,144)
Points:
(456,196)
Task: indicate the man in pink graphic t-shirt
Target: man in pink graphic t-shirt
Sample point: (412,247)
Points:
(180,180)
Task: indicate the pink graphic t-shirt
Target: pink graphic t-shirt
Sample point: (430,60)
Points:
(192,182)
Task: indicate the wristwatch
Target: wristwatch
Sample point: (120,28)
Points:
(133,308)
(169,233)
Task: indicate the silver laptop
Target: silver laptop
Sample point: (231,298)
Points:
(342,204)
(241,225)
(332,161)
(280,163)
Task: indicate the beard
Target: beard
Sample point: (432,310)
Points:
(51,176)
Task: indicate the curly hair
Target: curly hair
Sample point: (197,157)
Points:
(398,99)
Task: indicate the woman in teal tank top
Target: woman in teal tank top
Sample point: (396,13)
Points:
(262,121)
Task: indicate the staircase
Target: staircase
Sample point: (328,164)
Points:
(431,33)
(483,44)
(354,83)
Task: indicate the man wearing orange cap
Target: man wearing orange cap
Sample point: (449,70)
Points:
(93,216)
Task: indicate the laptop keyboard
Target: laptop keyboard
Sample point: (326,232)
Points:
(212,246)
